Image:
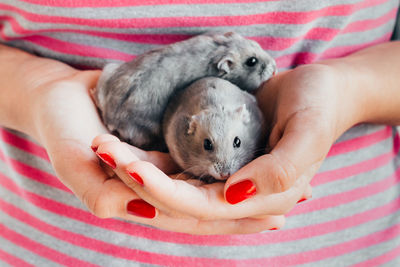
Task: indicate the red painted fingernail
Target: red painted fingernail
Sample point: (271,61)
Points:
(107,159)
(94,148)
(240,191)
(272,229)
(301,200)
(141,208)
(136,177)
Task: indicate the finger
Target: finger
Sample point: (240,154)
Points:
(297,147)
(115,194)
(307,194)
(176,197)
(102,138)
(163,161)
(154,186)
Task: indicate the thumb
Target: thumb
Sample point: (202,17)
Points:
(298,152)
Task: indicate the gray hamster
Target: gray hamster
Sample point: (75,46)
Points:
(132,96)
(213,128)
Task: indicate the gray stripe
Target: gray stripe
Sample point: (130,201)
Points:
(41,189)
(392,263)
(27,158)
(23,254)
(220,252)
(281,30)
(66,248)
(348,209)
(361,255)
(267,30)
(177,10)
(350,158)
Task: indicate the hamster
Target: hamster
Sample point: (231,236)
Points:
(213,128)
(132,96)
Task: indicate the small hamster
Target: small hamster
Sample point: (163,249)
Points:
(213,128)
(132,96)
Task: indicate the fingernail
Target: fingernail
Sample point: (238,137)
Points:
(94,148)
(141,208)
(301,200)
(272,229)
(240,191)
(107,159)
(136,177)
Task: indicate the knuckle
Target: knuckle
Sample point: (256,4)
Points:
(284,174)
(97,203)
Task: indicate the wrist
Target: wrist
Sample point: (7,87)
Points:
(21,80)
(351,99)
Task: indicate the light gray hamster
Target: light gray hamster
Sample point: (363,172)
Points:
(132,96)
(213,128)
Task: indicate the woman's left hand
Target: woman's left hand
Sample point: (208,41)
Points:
(307,108)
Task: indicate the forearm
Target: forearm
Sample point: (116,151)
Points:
(372,78)
(21,77)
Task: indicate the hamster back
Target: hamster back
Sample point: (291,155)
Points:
(213,128)
(132,97)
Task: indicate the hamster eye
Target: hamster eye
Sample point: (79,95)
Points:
(207,144)
(251,62)
(236,142)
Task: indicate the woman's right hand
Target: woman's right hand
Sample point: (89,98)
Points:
(61,115)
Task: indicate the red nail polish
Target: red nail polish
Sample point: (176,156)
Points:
(272,229)
(107,159)
(136,177)
(240,191)
(94,148)
(141,208)
(301,200)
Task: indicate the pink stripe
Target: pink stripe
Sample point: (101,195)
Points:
(347,196)
(363,25)
(23,144)
(323,34)
(282,61)
(269,43)
(341,51)
(290,60)
(266,18)
(34,173)
(154,234)
(154,258)
(78,49)
(97,245)
(360,142)
(122,228)
(122,3)
(12,260)
(40,249)
(326,252)
(312,230)
(378,261)
(348,171)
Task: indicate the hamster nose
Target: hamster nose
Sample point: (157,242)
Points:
(225,175)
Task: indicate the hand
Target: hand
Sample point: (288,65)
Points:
(66,120)
(307,109)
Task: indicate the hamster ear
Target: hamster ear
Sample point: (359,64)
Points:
(243,113)
(225,65)
(192,124)
(230,34)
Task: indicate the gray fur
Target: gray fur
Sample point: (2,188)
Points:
(218,110)
(132,96)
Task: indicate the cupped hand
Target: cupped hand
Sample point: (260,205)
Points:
(66,121)
(307,109)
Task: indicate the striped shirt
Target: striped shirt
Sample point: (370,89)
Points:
(354,215)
